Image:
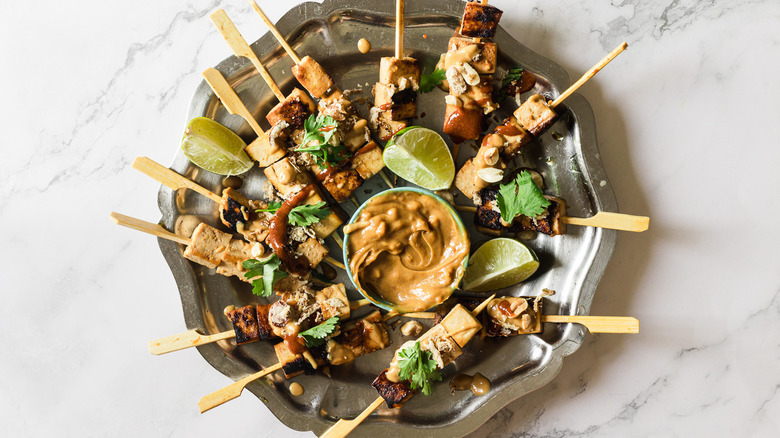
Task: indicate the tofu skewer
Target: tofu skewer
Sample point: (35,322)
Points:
(319,84)
(455,330)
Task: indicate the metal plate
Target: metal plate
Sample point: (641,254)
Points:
(571,264)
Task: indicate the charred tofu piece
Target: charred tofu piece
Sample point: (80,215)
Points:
(401,104)
(480,21)
(342,183)
(287,177)
(487,219)
(384,126)
(313,251)
(481,55)
(333,301)
(264,329)
(312,76)
(293,364)
(464,179)
(294,110)
(373,332)
(549,222)
(510,316)
(515,137)
(234,209)
(207,246)
(269,147)
(461,325)
(244,321)
(462,124)
(368,160)
(402,72)
(535,115)
(394,393)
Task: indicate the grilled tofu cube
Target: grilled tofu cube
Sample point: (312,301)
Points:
(462,124)
(207,246)
(287,177)
(384,126)
(374,333)
(264,329)
(269,147)
(294,110)
(461,325)
(336,106)
(481,55)
(515,137)
(509,316)
(535,115)
(293,364)
(478,96)
(443,347)
(342,183)
(312,76)
(333,301)
(234,209)
(244,321)
(368,160)
(464,179)
(549,222)
(313,250)
(402,72)
(394,393)
(486,218)
(401,104)
(480,21)
(237,251)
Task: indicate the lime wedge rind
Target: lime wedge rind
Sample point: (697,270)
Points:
(213,147)
(499,263)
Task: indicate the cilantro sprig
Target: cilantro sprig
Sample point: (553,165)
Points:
(431,80)
(301,215)
(521,196)
(514,74)
(264,273)
(417,366)
(318,131)
(315,336)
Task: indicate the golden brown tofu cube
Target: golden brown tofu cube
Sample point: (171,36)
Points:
(401,104)
(293,364)
(443,347)
(357,135)
(368,160)
(244,321)
(313,251)
(549,222)
(384,126)
(330,223)
(464,179)
(374,332)
(333,301)
(509,316)
(312,76)
(342,183)
(402,72)
(264,329)
(515,137)
(535,115)
(462,124)
(479,96)
(287,177)
(394,393)
(207,246)
(336,106)
(294,109)
(461,325)
(481,55)
(268,148)
(480,21)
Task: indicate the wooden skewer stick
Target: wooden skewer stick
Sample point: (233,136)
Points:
(230,99)
(334,262)
(602,219)
(171,179)
(589,74)
(147,227)
(276,33)
(343,427)
(186,340)
(399,29)
(338,239)
(241,48)
(598,324)
(234,390)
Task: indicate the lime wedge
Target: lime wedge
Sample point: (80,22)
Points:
(420,156)
(213,147)
(499,263)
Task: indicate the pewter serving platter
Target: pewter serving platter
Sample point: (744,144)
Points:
(571,264)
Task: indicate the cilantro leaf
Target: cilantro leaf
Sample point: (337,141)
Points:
(430,80)
(318,131)
(521,196)
(305,215)
(514,74)
(271,208)
(264,273)
(315,336)
(417,366)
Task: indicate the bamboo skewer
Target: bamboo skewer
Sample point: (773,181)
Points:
(241,48)
(171,179)
(147,227)
(399,29)
(602,219)
(230,99)
(598,324)
(233,390)
(184,340)
(279,37)
(589,74)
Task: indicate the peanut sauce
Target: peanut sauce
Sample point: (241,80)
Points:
(478,384)
(407,248)
(295,343)
(463,55)
(363,45)
(296,389)
(277,236)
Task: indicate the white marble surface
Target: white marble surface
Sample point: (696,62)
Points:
(688,128)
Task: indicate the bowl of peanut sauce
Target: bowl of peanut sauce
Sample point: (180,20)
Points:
(406,249)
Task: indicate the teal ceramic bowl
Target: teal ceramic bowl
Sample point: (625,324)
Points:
(379,301)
